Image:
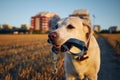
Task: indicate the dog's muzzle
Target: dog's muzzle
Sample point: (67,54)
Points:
(52,37)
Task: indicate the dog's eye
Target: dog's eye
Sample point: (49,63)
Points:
(70,27)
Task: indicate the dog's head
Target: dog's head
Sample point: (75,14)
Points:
(71,27)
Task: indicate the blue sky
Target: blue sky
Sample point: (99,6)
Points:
(17,12)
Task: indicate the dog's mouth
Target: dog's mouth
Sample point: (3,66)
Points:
(62,48)
(68,45)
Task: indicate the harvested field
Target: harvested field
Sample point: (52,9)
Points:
(27,57)
(114,40)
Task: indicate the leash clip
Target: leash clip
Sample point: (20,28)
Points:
(54,60)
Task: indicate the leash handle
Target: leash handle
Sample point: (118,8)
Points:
(77,43)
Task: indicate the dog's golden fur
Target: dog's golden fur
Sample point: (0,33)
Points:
(89,67)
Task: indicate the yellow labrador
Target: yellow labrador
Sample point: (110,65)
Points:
(86,66)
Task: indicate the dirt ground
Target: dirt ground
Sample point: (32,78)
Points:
(110,66)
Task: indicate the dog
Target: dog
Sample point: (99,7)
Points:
(77,67)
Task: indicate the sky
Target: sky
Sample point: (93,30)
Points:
(17,12)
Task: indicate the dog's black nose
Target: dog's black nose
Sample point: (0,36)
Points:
(52,35)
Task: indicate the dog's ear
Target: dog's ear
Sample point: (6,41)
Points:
(87,29)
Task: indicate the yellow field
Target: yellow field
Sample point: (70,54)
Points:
(27,57)
(112,39)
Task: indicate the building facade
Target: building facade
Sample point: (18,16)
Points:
(7,26)
(83,14)
(40,23)
(25,26)
(1,26)
(113,29)
(42,20)
(97,28)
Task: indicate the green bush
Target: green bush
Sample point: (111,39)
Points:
(39,32)
(104,31)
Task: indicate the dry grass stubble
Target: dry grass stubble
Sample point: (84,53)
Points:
(27,57)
